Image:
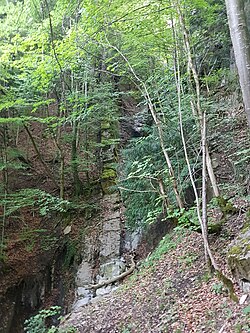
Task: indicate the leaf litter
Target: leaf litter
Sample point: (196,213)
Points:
(170,295)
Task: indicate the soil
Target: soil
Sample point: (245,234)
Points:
(173,294)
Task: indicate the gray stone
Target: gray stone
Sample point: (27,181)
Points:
(103,291)
(245,286)
(114,215)
(112,224)
(239,259)
(83,292)
(111,269)
(84,274)
(81,302)
(132,240)
(110,244)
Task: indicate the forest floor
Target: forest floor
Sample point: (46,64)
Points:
(172,292)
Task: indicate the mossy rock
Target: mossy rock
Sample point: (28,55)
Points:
(109,142)
(214,228)
(226,206)
(239,258)
(108,186)
(108,179)
(108,174)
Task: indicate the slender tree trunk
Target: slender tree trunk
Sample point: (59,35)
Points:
(165,203)
(165,153)
(207,251)
(241,45)
(204,187)
(5,184)
(198,102)
(74,162)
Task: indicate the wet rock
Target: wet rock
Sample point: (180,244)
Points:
(239,260)
(110,238)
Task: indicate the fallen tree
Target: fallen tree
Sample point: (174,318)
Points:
(115,278)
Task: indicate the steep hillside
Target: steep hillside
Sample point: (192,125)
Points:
(170,292)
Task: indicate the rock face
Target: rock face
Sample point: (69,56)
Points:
(239,260)
(109,251)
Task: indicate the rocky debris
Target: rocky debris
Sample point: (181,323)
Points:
(239,260)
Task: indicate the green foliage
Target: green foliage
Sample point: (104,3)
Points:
(71,251)
(34,198)
(143,163)
(167,244)
(32,236)
(186,218)
(246,310)
(38,323)
(218,288)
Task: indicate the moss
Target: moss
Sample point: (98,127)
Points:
(105,125)
(110,165)
(214,228)
(108,179)
(108,186)
(235,250)
(109,142)
(108,173)
(226,206)
(246,226)
(228,284)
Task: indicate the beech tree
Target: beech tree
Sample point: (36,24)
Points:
(241,44)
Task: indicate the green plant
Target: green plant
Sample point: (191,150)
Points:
(185,218)
(188,258)
(218,288)
(126,329)
(30,236)
(71,251)
(167,244)
(246,310)
(35,198)
(37,323)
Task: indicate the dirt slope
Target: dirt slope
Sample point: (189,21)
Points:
(170,294)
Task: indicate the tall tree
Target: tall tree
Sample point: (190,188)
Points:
(241,44)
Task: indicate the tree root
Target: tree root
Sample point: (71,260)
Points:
(116,278)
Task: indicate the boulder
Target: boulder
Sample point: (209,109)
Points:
(239,259)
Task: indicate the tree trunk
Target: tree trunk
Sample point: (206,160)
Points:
(74,163)
(198,110)
(5,186)
(241,45)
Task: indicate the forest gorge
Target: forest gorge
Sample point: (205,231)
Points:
(124,166)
